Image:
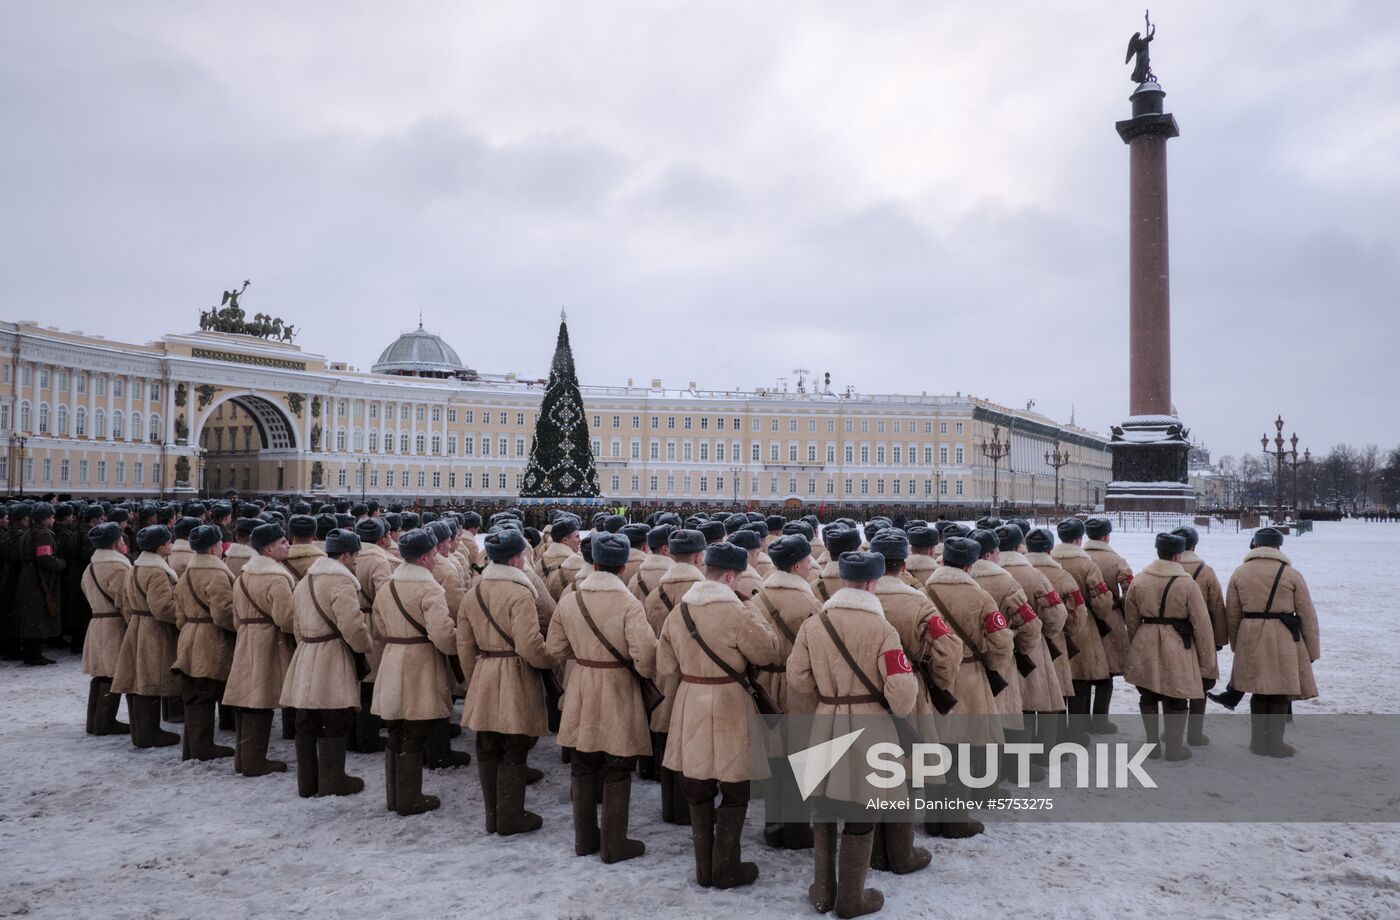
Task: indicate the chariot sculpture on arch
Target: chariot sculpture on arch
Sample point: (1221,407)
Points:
(229,317)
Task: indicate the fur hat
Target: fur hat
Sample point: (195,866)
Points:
(714,531)
(685,542)
(788,550)
(371,530)
(505,544)
(1009,538)
(153,538)
(563,527)
(1098,528)
(858,566)
(961,552)
(842,540)
(302,526)
(1267,536)
(921,535)
(105,536)
(659,536)
(1189,534)
(891,543)
(748,539)
(204,536)
(1170,544)
(613,549)
(636,534)
(342,541)
(726,556)
(1070,529)
(417,543)
(264,535)
(800,528)
(1040,540)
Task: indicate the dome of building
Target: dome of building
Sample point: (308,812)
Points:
(419,353)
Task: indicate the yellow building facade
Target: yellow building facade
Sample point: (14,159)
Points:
(212,412)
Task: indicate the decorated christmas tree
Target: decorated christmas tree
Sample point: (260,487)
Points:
(561,460)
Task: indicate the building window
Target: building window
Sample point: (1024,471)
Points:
(467,480)
(864,455)
(340,439)
(848,486)
(943,454)
(340,477)
(615,485)
(687,451)
(403,443)
(502,445)
(437,445)
(719,451)
(43,418)
(617,421)
(451,445)
(119,387)
(422,479)
(831,487)
(958,455)
(615,446)
(635,482)
(865,487)
(670,483)
(520,419)
(880,426)
(958,427)
(636,449)
(102,471)
(958,487)
(48,471)
(792,453)
(597,421)
(880,455)
(651,483)
(505,415)
(704,484)
(502,480)
(24,420)
(704,451)
(879,487)
(704,423)
(99,420)
(773,452)
(896,487)
(452,480)
(754,452)
(655,421)
(63,470)
(896,453)
(636,422)
(5,417)
(82,471)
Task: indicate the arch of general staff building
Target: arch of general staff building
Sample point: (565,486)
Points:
(208,412)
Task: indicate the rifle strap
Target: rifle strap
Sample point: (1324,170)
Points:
(972,649)
(98,585)
(723,665)
(476,596)
(821,589)
(1197,574)
(242,586)
(311,589)
(768,605)
(588,618)
(418,627)
(851,662)
(1162,610)
(1269,604)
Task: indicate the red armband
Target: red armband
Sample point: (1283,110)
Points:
(43,550)
(1026,613)
(937,628)
(1100,588)
(227,544)
(1053,598)
(896,662)
(1078,597)
(993,621)
(1130,579)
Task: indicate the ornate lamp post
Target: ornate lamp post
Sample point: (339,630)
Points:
(364,474)
(1294,462)
(937,493)
(19,441)
(994,451)
(1057,458)
(1279,455)
(734,472)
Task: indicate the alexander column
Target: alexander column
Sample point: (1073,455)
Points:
(1150,448)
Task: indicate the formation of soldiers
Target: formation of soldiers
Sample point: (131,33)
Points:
(643,646)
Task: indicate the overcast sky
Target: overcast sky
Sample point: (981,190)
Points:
(914,199)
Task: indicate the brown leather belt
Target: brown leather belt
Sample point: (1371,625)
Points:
(410,640)
(848,700)
(969,659)
(141,613)
(605,665)
(692,679)
(255,621)
(105,616)
(314,639)
(772,668)
(485,654)
(199,619)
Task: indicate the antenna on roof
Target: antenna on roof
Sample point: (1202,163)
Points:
(420,319)
(801,374)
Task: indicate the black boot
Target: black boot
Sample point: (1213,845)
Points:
(308,765)
(587,839)
(289,723)
(1150,727)
(330,759)
(199,733)
(1174,730)
(617,800)
(227,722)
(1196,723)
(33,652)
(903,857)
(145,722)
(1258,726)
(107,705)
(511,816)
(702,837)
(408,778)
(257,730)
(438,753)
(94,696)
(1103,696)
(365,735)
(729,870)
(822,891)
(853,899)
(391,766)
(1277,722)
(1077,724)
(1229,697)
(172,709)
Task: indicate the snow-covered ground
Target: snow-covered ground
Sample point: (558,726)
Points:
(92,827)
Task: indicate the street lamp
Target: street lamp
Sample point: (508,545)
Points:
(20,440)
(937,494)
(1294,461)
(994,451)
(1057,458)
(1279,455)
(364,465)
